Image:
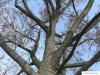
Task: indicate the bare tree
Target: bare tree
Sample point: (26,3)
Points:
(59,48)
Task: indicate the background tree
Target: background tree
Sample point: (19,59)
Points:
(23,31)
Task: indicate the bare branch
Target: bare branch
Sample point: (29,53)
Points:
(90,25)
(52,6)
(36,43)
(60,69)
(13,42)
(28,13)
(74,8)
(58,35)
(20,72)
(26,36)
(25,66)
(66,6)
(48,8)
(35,61)
(79,64)
(58,5)
(89,64)
(69,39)
(82,15)
(89,39)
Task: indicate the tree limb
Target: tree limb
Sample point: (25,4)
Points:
(20,72)
(66,6)
(70,39)
(67,41)
(52,6)
(58,5)
(25,66)
(93,22)
(89,64)
(74,8)
(36,43)
(13,42)
(69,35)
(60,69)
(28,13)
(26,36)
(79,64)
(82,15)
(48,8)
(35,61)
(89,26)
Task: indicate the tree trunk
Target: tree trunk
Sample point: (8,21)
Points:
(48,66)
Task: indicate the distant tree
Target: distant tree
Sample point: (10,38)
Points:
(23,30)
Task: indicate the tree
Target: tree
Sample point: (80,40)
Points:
(54,60)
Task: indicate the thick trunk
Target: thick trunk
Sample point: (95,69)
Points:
(46,71)
(48,65)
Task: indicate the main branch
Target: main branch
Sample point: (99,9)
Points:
(25,66)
